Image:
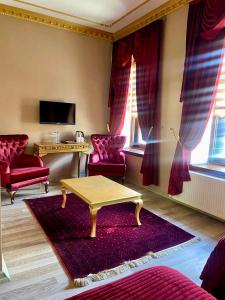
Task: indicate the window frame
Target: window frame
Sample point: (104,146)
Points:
(134,133)
(211,158)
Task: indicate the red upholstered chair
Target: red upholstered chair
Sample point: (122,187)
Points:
(108,158)
(17,169)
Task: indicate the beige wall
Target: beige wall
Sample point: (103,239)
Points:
(203,193)
(40,62)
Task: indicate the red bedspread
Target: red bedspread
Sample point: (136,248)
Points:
(156,283)
(213,274)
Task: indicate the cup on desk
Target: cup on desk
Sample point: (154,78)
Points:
(79,136)
(80,139)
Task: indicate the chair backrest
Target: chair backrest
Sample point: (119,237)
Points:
(107,145)
(12,146)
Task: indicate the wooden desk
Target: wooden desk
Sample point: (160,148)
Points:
(44,149)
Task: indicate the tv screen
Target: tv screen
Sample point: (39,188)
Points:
(52,112)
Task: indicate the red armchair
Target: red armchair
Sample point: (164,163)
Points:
(108,158)
(17,169)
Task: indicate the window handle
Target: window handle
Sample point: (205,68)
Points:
(150,131)
(108,127)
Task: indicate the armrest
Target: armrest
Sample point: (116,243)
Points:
(4,173)
(120,157)
(26,160)
(94,157)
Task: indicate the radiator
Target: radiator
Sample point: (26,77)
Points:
(205,193)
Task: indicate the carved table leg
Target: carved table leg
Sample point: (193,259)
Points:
(86,164)
(78,167)
(46,184)
(139,205)
(63,205)
(93,212)
(12,195)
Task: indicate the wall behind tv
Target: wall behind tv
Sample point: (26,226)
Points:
(40,62)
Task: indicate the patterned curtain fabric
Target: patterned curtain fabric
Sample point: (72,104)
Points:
(202,68)
(213,19)
(147,48)
(119,83)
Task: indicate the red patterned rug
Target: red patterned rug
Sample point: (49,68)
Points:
(119,243)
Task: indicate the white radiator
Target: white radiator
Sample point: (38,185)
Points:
(204,193)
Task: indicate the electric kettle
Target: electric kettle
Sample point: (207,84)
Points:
(79,136)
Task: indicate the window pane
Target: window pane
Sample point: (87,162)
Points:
(131,126)
(212,146)
(218,150)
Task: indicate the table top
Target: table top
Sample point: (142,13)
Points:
(99,190)
(61,144)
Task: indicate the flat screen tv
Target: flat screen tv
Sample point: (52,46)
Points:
(52,112)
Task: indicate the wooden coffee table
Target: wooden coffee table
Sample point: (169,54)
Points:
(99,191)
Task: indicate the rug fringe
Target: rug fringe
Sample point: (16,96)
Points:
(81,282)
(175,248)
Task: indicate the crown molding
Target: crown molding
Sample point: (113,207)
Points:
(91,21)
(154,15)
(157,13)
(54,22)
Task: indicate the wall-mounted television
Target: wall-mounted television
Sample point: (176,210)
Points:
(52,112)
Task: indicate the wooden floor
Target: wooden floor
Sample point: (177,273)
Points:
(34,268)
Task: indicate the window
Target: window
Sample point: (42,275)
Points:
(211,150)
(131,126)
(217,147)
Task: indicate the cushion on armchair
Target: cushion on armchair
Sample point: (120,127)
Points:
(106,167)
(21,174)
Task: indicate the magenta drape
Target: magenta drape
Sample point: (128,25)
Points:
(202,68)
(213,18)
(147,47)
(119,84)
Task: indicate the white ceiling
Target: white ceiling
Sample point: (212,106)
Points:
(108,15)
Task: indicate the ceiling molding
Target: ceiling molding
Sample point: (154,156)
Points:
(91,21)
(54,22)
(61,13)
(155,14)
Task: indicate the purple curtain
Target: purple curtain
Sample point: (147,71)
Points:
(202,68)
(119,84)
(147,47)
